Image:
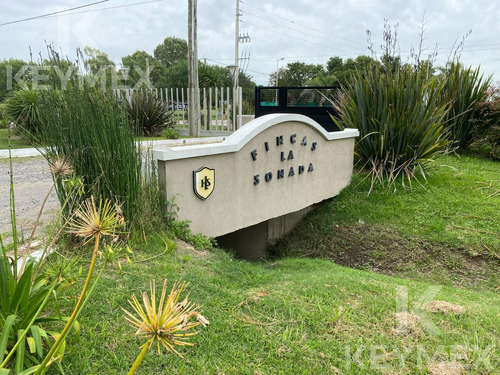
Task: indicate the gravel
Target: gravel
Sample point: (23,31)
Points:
(32,181)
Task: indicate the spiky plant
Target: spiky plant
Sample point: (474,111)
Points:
(463,89)
(23,107)
(59,167)
(168,323)
(91,222)
(400,121)
(148,115)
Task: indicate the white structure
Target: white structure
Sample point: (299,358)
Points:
(257,184)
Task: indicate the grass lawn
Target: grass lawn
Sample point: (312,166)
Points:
(292,316)
(296,315)
(16,141)
(446,230)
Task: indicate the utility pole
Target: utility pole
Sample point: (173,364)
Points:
(148,81)
(236,91)
(193,90)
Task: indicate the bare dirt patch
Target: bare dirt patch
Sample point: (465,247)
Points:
(383,250)
(445,308)
(445,368)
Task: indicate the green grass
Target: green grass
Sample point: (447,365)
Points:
(299,315)
(16,141)
(292,316)
(450,223)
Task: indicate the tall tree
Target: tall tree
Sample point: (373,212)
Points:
(95,60)
(171,50)
(136,63)
(12,72)
(296,74)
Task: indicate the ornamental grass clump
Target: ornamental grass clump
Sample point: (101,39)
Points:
(90,128)
(167,324)
(400,119)
(464,88)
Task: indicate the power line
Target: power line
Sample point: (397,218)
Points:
(53,13)
(295,29)
(114,7)
(298,24)
(287,35)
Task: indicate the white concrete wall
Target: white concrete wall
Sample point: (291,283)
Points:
(237,200)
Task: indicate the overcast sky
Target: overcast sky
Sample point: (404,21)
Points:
(280,31)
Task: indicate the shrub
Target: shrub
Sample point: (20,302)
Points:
(486,124)
(148,115)
(171,133)
(399,118)
(463,89)
(23,108)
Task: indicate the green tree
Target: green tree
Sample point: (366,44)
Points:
(171,50)
(95,60)
(296,74)
(8,71)
(173,76)
(136,63)
(339,72)
(213,76)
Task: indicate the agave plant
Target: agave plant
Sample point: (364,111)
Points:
(168,325)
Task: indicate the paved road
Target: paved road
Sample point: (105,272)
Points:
(32,181)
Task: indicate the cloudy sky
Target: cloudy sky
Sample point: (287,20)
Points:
(279,31)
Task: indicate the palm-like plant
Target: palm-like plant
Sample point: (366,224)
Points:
(167,324)
(23,107)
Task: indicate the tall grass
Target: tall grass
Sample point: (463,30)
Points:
(90,128)
(400,119)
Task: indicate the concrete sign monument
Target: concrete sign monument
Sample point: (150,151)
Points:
(256,185)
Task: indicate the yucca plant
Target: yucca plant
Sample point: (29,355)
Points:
(167,324)
(148,115)
(400,121)
(463,88)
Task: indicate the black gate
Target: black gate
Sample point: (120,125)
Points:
(308,101)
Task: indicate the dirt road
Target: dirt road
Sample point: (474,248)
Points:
(32,181)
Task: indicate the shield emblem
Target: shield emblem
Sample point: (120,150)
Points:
(204,182)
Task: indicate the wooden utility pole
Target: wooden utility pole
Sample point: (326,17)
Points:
(193,91)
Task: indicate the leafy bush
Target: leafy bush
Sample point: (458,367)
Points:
(487,124)
(463,89)
(171,133)
(90,128)
(23,108)
(399,116)
(148,115)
